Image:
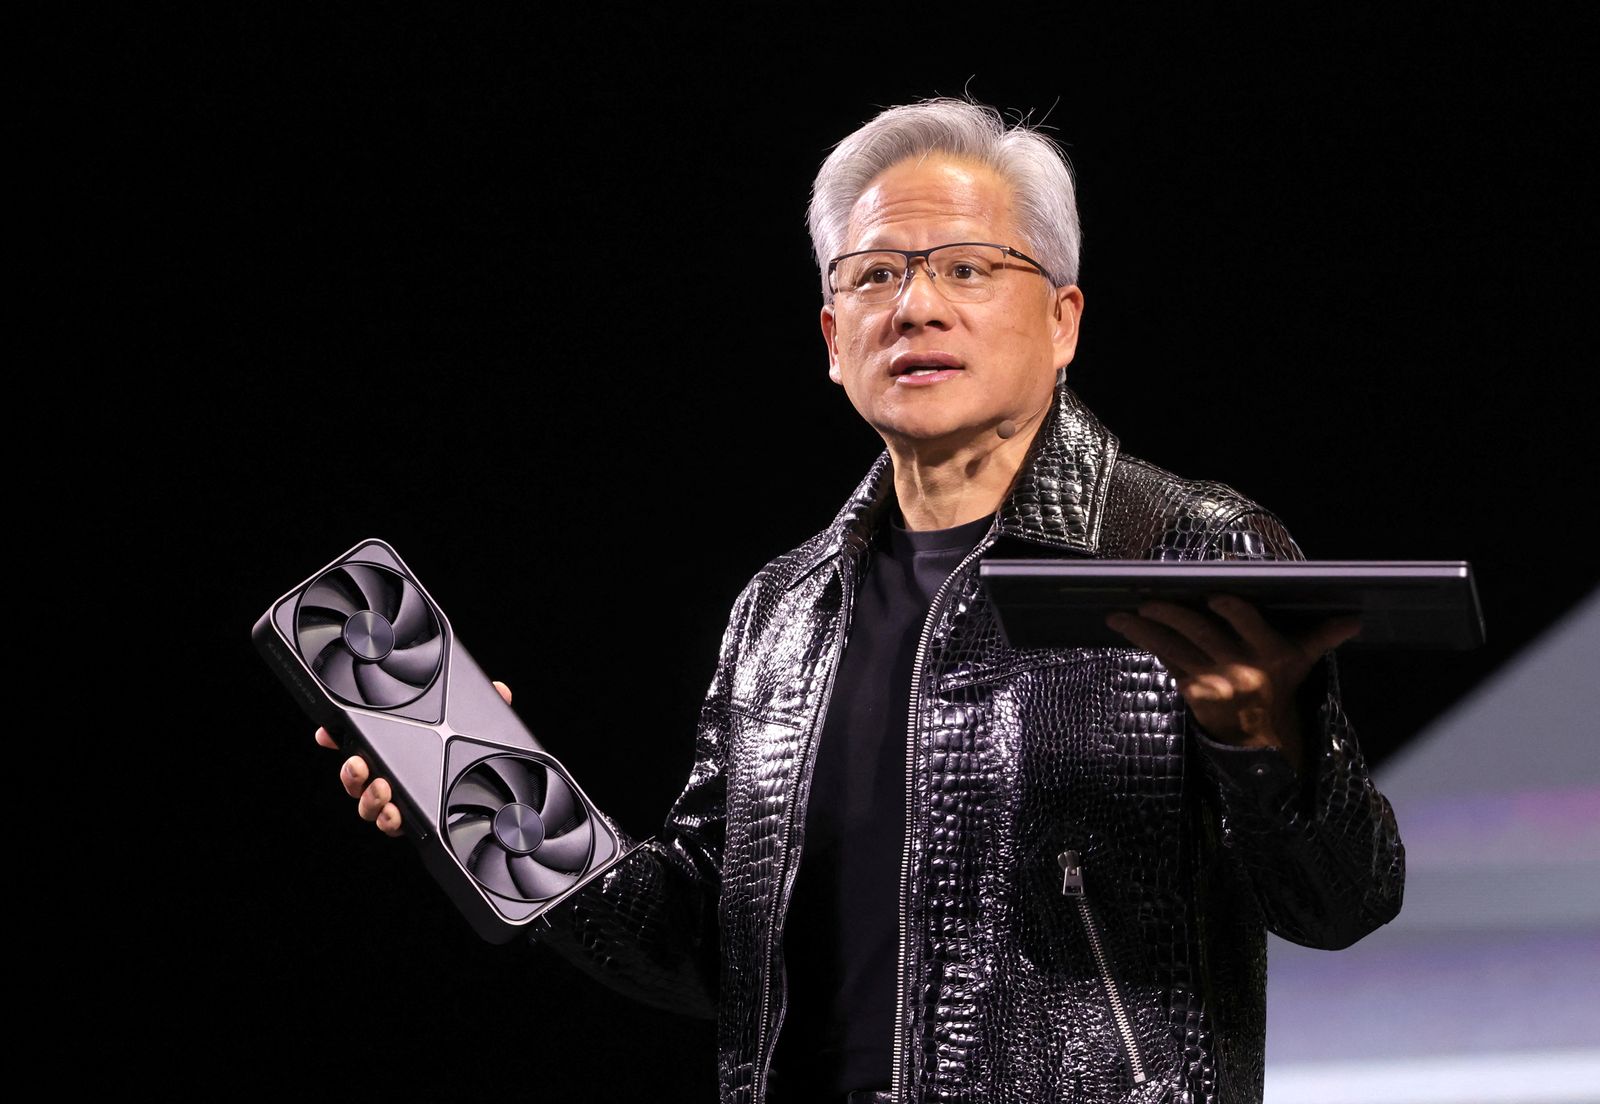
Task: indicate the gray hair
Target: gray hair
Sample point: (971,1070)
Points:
(1040,176)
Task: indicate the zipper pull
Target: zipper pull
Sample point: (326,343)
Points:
(1071,874)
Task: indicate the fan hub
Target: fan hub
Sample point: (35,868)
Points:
(519,828)
(369,635)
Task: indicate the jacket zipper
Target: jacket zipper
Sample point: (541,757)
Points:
(897,1086)
(790,869)
(1072,886)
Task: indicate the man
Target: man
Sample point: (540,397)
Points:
(912,863)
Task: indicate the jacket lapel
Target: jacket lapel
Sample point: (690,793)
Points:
(1059,495)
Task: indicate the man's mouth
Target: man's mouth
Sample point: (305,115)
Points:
(923,364)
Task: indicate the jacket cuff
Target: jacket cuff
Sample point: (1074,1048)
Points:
(1263,778)
(556,921)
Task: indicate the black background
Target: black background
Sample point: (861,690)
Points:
(463,284)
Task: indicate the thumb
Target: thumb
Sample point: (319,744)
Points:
(505,691)
(1332,633)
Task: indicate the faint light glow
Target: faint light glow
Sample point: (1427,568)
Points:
(1486,988)
(1552,1077)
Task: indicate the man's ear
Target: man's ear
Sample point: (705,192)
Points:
(1068,311)
(830,334)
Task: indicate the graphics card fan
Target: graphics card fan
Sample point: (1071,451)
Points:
(368,633)
(515,824)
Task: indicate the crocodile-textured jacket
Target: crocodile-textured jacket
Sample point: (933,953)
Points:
(1087,879)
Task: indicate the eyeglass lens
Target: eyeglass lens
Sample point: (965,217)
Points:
(963,272)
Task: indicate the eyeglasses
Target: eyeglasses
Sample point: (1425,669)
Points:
(964,272)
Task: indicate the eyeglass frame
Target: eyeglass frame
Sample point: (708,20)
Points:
(912,254)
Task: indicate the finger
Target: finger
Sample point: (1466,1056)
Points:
(505,691)
(1207,633)
(1247,621)
(1330,634)
(389,819)
(326,739)
(1244,679)
(1209,688)
(354,775)
(374,798)
(1255,722)
(1174,651)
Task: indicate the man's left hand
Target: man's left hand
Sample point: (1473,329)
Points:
(1238,674)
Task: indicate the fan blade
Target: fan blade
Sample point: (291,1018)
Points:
(326,594)
(558,802)
(338,671)
(412,620)
(414,665)
(314,638)
(473,793)
(382,689)
(492,870)
(537,881)
(515,776)
(373,587)
(466,833)
(568,852)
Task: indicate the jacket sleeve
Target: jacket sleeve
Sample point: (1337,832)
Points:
(1321,849)
(648,927)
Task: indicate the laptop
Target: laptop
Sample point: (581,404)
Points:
(1054,603)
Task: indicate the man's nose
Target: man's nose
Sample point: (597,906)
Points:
(920,302)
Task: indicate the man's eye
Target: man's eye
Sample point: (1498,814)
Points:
(878,275)
(969,271)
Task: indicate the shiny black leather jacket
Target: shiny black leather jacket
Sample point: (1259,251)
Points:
(1087,879)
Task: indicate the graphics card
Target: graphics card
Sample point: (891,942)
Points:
(500,823)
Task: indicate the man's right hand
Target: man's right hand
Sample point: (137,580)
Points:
(374,799)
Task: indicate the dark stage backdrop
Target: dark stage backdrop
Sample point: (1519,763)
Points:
(535,303)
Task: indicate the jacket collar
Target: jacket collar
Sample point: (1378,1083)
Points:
(1057,499)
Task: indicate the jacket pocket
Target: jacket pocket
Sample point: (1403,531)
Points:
(980,671)
(1072,887)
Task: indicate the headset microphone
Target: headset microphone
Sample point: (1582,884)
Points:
(1009,428)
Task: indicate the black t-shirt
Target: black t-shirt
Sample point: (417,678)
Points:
(841,938)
